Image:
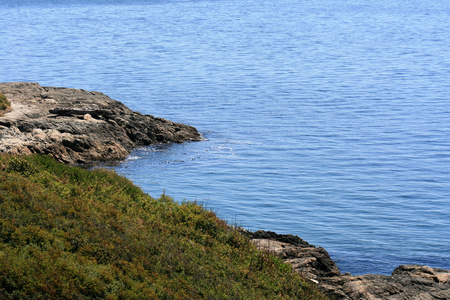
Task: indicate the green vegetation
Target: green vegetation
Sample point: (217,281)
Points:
(66,232)
(4,103)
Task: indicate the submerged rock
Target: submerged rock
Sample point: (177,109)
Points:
(407,282)
(77,126)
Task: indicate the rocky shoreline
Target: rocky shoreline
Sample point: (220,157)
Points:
(77,126)
(80,127)
(407,282)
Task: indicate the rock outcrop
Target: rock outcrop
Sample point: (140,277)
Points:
(77,126)
(407,282)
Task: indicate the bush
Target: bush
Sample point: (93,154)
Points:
(70,233)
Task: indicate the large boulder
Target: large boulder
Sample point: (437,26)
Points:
(77,126)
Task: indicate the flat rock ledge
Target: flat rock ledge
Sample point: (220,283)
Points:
(76,126)
(407,282)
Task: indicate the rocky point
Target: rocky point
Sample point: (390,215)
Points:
(76,126)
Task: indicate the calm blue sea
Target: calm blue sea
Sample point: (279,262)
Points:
(325,119)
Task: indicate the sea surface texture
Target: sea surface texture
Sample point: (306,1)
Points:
(325,119)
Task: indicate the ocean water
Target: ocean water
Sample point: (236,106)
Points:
(325,119)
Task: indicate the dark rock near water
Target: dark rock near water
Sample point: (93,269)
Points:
(407,282)
(77,126)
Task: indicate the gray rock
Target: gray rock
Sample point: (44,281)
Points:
(407,282)
(84,138)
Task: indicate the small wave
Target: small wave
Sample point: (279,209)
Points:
(133,157)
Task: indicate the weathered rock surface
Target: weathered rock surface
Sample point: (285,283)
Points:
(407,282)
(79,139)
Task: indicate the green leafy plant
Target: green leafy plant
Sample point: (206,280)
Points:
(67,232)
(21,166)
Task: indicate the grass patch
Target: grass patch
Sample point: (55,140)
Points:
(4,104)
(66,232)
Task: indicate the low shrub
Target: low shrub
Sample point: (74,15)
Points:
(67,232)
